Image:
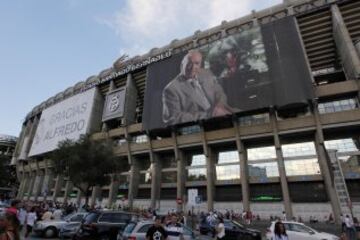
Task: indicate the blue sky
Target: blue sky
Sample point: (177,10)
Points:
(47,46)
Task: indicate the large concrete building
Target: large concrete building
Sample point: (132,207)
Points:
(302,159)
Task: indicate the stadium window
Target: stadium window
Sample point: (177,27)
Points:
(255,119)
(189,130)
(261,153)
(342,145)
(196,171)
(228,167)
(302,167)
(139,138)
(119,141)
(337,106)
(263,170)
(298,149)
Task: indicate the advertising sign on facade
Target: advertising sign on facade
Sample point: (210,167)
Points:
(114,104)
(65,120)
(255,68)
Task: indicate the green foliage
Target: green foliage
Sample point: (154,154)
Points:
(87,163)
(8,178)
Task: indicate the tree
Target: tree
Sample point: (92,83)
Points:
(8,178)
(86,162)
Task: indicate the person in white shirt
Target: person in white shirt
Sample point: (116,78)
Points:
(30,221)
(174,229)
(220,229)
(350,228)
(22,217)
(57,214)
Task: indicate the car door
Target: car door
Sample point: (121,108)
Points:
(77,218)
(300,232)
(231,232)
(141,233)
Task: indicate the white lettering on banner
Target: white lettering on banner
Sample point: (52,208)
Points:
(65,120)
(129,68)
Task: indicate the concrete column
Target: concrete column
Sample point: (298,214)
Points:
(281,167)
(95,195)
(346,49)
(31,184)
(134,181)
(26,185)
(38,184)
(244,170)
(210,172)
(68,190)
(155,180)
(58,185)
(114,187)
(325,165)
(181,173)
(23,182)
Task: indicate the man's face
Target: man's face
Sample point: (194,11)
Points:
(174,219)
(194,65)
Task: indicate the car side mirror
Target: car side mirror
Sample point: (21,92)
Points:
(312,233)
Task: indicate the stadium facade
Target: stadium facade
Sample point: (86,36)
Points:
(279,133)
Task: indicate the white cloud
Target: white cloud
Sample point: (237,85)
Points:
(144,24)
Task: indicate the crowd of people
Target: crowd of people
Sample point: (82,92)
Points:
(21,216)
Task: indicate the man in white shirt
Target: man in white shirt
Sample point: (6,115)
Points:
(350,228)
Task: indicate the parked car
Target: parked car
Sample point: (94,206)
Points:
(137,231)
(69,230)
(233,231)
(103,225)
(299,231)
(50,229)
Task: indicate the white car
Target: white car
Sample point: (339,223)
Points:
(299,231)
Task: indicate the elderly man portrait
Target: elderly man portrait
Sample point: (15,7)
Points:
(194,94)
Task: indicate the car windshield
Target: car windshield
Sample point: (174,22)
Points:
(238,224)
(129,228)
(91,217)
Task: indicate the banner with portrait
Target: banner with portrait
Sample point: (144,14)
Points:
(255,68)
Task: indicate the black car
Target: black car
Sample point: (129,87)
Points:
(103,225)
(233,231)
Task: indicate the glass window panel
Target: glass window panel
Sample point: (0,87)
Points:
(139,138)
(196,174)
(261,153)
(198,160)
(228,172)
(342,145)
(228,157)
(254,119)
(302,167)
(337,106)
(168,177)
(189,130)
(269,169)
(298,149)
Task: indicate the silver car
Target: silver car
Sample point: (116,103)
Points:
(50,229)
(137,231)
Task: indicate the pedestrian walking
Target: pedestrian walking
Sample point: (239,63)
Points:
(11,227)
(280,232)
(30,221)
(157,231)
(174,229)
(220,230)
(350,228)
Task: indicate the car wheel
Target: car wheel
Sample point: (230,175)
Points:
(50,232)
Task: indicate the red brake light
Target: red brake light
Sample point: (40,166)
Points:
(132,238)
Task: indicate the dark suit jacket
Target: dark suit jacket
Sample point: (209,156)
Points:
(181,103)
